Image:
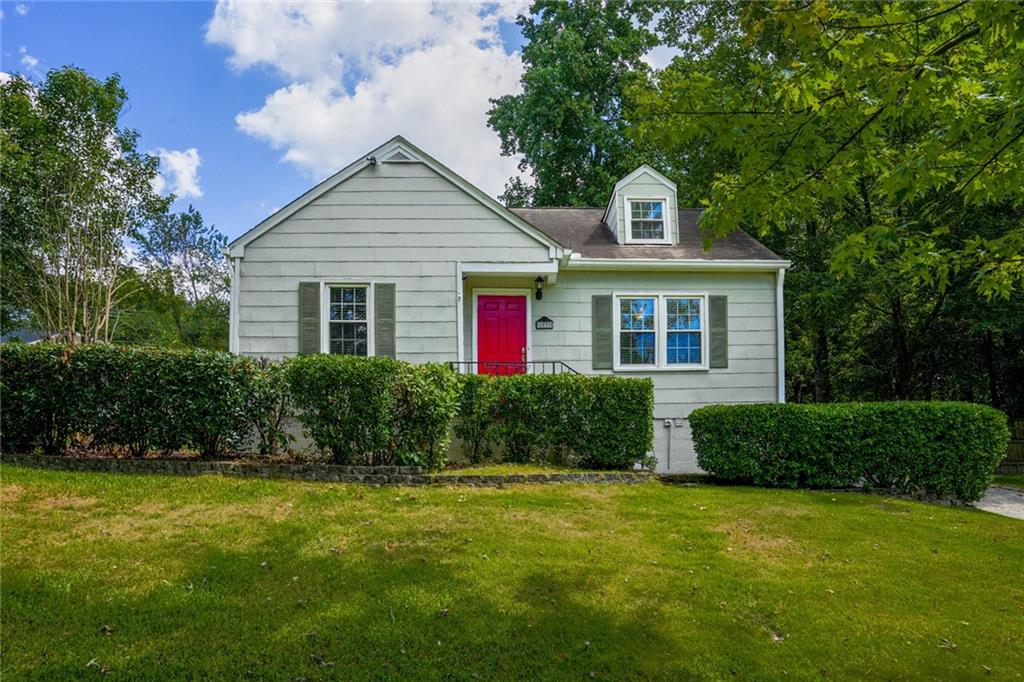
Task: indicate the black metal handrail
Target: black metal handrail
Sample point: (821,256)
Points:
(507,368)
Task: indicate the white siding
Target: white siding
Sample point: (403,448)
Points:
(644,186)
(400,223)
(750,378)
(405,224)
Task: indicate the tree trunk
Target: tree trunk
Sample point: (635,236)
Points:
(901,374)
(822,366)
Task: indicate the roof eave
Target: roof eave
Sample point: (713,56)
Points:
(678,264)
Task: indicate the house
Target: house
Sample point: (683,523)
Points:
(397,255)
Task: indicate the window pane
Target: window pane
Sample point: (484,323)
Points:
(349,338)
(636,313)
(347,303)
(647,220)
(683,313)
(683,348)
(636,348)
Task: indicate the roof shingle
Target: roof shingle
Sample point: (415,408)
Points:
(583,230)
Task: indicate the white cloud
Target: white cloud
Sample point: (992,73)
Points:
(358,74)
(21,9)
(29,63)
(179,171)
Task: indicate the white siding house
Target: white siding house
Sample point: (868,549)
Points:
(397,255)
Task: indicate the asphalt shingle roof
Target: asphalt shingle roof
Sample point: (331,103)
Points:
(583,230)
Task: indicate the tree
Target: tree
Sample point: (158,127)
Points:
(908,115)
(185,277)
(567,124)
(75,189)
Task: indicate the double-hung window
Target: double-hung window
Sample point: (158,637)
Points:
(660,331)
(646,221)
(348,323)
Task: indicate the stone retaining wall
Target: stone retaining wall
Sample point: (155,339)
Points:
(371,475)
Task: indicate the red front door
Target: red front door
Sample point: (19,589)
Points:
(501,334)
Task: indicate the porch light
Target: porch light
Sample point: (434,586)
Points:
(539,287)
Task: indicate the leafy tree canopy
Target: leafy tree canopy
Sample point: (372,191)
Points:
(908,116)
(579,61)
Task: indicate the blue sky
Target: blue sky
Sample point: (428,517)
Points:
(272,97)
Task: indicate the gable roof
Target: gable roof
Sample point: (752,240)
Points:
(640,170)
(396,150)
(584,231)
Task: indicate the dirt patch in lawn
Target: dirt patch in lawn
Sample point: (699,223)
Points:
(744,539)
(10,493)
(63,503)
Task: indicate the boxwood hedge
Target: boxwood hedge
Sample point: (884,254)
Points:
(946,449)
(566,419)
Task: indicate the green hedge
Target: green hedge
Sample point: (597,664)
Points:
(947,449)
(136,398)
(565,419)
(33,397)
(374,410)
(361,410)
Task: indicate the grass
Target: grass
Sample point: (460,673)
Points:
(1010,480)
(152,577)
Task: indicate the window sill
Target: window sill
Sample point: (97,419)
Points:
(649,369)
(648,242)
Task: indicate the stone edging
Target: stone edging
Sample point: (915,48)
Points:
(371,475)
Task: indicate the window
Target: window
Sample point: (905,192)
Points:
(637,334)
(348,326)
(646,220)
(683,330)
(660,331)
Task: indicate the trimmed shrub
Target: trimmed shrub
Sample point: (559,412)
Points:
(136,398)
(146,398)
(476,425)
(374,410)
(117,398)
(33,397)
(946,449)
(205,399)
(427,398)
(565,419)
(268,408)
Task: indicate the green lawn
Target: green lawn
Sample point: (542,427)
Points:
(172,578)
(1010,480)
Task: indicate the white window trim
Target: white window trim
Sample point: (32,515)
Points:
(661,332)
(628,219)
(325,310)
(529,317)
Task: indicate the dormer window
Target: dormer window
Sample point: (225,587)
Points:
(645,221)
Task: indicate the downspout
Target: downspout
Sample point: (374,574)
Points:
(780,334)
(236,263)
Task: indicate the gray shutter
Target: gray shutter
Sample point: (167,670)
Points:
(718,314)
(384,320)
(309,317)
(601,332)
